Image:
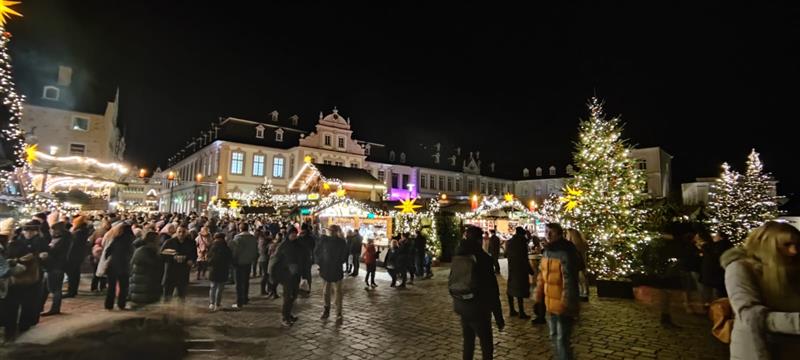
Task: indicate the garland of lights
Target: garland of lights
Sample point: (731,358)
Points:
(334,199)
(408,222)
(11,135)
(491,204)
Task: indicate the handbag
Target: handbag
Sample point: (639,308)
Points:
(31,275)
(721,315)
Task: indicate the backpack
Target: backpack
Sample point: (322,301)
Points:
(721,315)
(462,284)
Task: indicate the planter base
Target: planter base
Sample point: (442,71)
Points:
(615,289)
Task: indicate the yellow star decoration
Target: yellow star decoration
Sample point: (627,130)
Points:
(572,199)
(508,197)
(30,151)
(307,159)
(6,11)
(407,206)
(233,204)
(326,186)
(341,192)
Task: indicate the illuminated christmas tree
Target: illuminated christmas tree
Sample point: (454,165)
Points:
(12,138)
(264,193)
(604,198)
(758,191)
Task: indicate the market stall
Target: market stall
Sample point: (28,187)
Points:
(354,215)
(503,215)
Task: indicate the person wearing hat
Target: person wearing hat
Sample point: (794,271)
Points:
(79,249)
(285,268)
(54,264)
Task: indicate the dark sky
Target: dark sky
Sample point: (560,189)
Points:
(705,80)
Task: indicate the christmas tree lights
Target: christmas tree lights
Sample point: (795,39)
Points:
(12,138)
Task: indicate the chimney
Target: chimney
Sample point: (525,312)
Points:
(64,75)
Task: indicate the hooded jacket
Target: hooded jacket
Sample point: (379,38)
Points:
(557,282)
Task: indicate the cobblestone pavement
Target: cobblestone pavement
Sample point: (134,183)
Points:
(417,323)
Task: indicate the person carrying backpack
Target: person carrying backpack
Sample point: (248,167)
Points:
(476,295)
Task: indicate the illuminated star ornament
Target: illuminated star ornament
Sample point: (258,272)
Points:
(6,11)
(407,206)
(307,159)
(30,151)
(233,204)
(508,197)
(572,199)
(341,192)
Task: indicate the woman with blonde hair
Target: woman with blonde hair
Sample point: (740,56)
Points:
(577,239)
(763,283)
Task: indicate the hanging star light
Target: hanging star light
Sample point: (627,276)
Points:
(341,192)
(508,197)
(233,204)
(30,151)
(326,186)
(407,206)
(307,159)
(572,199)
(6,11)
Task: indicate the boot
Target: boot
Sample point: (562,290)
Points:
(326,314)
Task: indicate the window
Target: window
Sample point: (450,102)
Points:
(354,165)
(405,181)
(382,175)
(51,93)
(258,165)
(394,181)
(526,172)
(80,123)
(458,184)
(341,142)
(77,149)
(441,183)
(366,149)
(327,140)
(391,155)
(277,167)
(470,185)
(237,163)
(642,164)
(538,192)
(433,182)
(402,157)
(483,187)
(538,171)
(339,163)
(260,132)
(552,171)
(423,181)
(327,162)
(449,184)
(279,135)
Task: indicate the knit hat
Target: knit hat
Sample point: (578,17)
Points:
(53,218)
(7,226)
(78,221)
(32,225)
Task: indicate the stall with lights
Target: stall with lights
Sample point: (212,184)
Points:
(410,217)
(502,214)
(324,179)
(350,214)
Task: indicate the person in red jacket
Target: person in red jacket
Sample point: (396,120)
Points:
(370,260)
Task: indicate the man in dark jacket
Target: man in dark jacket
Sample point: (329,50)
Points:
(285,268)
(494,250)
(713,275)
(178,254)
(308,241)
(331,253)
(54,265)
(476,317)
(81,231)
(420,246)
(519,271)
(245,252)
(119,254)
(356,243)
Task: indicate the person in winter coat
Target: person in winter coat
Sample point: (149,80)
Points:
(98,282)
(476,315)
(576,238)
(178,254)
(20,308)
(264,241)
(519,271)
(245,252)
(370,261)
(54,265)
(220,258)
(557,287)
(402,260)
(285,268)
(203,242)
(146,271)
(166,233)
(390,262)
(309,241)
(331,253)
(494,250)
(420,249)
(356,244)
(79,248)
(118,253)
(762,283)
(712,275)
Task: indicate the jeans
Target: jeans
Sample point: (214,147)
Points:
(356,264)
(215,293)
(73,280)
(335,287)
(262,266)
(111,292)
(482,328)
(242,284)
(420,265)
(370,277)
(393,274)
(54,280)
(560,332)
(289,295)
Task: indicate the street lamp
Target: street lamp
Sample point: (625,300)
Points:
(170,180)
(142,173)
(198,178)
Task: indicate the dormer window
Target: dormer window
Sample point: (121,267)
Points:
(341,142)
(391,155)
(279,135)
(570,171)
(538,171)
(552,171)
(366,149)
(526,173)
(51,93)
(259,132)
(294,119)
(327,140)
(80,123)
(402,157)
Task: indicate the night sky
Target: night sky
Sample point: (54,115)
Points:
(707,80)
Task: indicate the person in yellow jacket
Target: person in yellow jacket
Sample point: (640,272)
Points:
(557,286)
